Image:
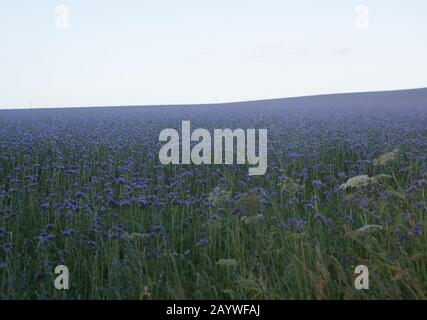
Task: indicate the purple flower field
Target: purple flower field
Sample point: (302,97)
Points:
(84,188)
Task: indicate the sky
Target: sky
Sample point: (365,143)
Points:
(141,52)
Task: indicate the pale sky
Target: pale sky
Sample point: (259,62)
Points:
(202,51)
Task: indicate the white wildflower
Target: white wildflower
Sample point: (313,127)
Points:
(135,235)
(357,182)
(249,202)
(291,185)
(218,196)
(386,158)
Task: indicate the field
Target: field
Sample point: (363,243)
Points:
(85,188)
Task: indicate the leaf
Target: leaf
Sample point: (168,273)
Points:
(381,177)
(366,230)
(253,220)
(227,263)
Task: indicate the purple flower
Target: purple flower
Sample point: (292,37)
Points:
(342,175)
(317,183)
(80,195)
(9,246)
(69,232)
(417,230)
(297,223)
(44,238)
(91,244)
(202,242)
(45,205)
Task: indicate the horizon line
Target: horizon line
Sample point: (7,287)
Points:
(214,103)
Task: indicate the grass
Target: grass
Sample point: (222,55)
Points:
(302,245)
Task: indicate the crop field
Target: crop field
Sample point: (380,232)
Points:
(346,185)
